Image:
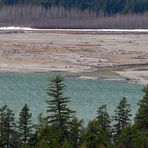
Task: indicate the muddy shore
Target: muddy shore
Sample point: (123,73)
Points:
(39,51)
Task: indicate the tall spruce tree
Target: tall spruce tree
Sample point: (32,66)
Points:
(3,112)
(59,112)
(104,121)
(141,118)
(7,128)
(25,125)
(121,117)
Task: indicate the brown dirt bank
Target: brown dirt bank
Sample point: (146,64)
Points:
(70,51)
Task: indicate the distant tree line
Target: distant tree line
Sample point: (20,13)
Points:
(62,129)
(117,14)
(60,17)
(106,6)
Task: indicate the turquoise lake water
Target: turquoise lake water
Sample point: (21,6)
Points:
(16,89)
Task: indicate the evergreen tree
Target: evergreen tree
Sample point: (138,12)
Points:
(141,118)
(8,134)
(44,131)
(42,123)
(98,131)
(91,136)
(60,114)
(9,127)
(51,136)
(104,121)
(66,144)
(3,112)
(24,125)
(33,139)
(121,117)
(131,137)
(75,132)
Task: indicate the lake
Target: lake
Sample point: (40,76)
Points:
(86,95)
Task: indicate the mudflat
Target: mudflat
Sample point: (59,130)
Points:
(124,53)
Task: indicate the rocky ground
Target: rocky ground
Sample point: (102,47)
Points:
(32,50)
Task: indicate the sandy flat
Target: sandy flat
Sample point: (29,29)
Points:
(32,50)
(140,77)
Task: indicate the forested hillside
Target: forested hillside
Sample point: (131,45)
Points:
(105,6)
(74,13)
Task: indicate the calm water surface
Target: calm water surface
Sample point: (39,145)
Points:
(16,89)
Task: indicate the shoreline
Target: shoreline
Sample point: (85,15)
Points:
(139,77)
(38,68)
(81,31)
(75,50)
(132,75)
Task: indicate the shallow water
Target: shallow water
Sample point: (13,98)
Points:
(16,89)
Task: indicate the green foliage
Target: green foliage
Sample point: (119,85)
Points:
(103,119)
(131,137)
(51,136)
(8,134)
(59,112)
(24,125)
(75,132)
(67,144)
(3,112)
(33,139)
(121,117)
(141,118)
(60,129)
(104,127)
(90,137)
(42,123)
(95,137)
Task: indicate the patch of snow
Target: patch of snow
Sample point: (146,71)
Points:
(16,28)
(88,30)
(88,78)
